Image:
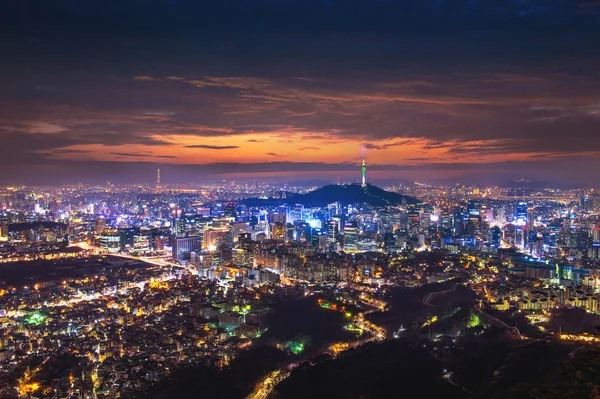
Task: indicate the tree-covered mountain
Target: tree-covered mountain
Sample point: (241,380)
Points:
(344,193)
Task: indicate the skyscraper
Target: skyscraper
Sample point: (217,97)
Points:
(521,214)
(350,238)
(530,218)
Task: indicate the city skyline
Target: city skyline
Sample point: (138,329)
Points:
(262,199)
(442,92)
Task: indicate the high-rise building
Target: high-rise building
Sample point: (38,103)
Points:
(183,247)
(521,214)
(331,227)
(279,215)
(510,234)
(446,220)
(530,218)
(126,238)
(475,207)
(596,234)
(110,240)
(425,220)
(350,238)
(586,204)
(214,237)
(318,239)
(334,209)
(290,232)
(295,213)
(278,231)
(520,237)
(495,236)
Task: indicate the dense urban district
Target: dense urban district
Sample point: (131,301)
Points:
(276,291)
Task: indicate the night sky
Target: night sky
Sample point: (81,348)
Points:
(481,91)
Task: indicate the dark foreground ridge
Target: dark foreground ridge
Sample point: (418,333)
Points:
(486,366)
(344,193)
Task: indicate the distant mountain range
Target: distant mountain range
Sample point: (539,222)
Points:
(344,193)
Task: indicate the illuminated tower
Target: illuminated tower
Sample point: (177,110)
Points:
(158,177)
(364,170)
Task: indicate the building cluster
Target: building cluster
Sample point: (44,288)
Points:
(167,276)
(122,329)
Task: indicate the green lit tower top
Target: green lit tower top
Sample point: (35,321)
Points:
(364,170)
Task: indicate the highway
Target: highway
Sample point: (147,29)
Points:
(153,260)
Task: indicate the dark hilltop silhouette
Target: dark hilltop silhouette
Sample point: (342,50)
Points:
(344,193)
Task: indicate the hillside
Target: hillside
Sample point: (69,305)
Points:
(344,193)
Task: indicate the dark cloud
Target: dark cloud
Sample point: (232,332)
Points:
(419,159)
(70,151)
(307,148)
(213,147)
(136,155)
(371,146)
(129,154)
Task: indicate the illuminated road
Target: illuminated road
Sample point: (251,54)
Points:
(266,386)
(157,261)
(153,260)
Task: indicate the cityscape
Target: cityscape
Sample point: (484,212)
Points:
(355,199)
(107,290)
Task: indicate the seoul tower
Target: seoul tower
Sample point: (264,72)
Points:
(364,170)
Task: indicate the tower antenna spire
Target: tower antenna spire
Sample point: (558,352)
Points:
(363,169)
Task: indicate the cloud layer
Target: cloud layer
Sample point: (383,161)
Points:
(447,90)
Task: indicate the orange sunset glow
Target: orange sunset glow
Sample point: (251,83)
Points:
(223,104)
